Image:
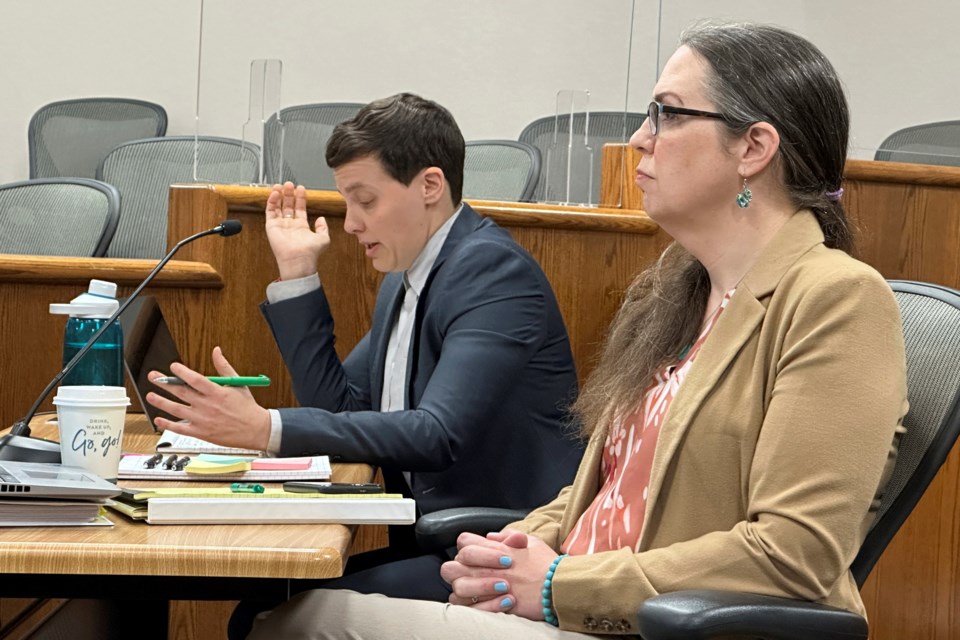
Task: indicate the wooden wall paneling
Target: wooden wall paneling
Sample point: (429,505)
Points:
(909,222)
(199,619)
(618,170)
(32,344)
(908,217)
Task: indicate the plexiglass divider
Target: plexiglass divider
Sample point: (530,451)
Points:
(568,156)
(264,103)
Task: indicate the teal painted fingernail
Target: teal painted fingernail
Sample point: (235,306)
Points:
(505,561)
(506,603)
(501,587)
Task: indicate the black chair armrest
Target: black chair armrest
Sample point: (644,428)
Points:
(439,530)
(694,615)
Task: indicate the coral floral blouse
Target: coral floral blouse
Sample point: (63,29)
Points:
(615,517)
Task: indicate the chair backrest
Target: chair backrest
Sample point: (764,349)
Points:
(931,331)
(501,170)
(933,143)
(143,171)
(550,135)
(71,138)
(302,143)
(58,217)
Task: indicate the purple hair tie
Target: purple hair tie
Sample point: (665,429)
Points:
(834,195)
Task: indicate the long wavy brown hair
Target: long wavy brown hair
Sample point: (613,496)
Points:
(792,86)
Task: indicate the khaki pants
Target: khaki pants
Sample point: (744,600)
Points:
(347,615)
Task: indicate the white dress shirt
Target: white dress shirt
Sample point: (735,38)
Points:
(398,346)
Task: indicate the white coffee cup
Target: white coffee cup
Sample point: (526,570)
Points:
(91,427)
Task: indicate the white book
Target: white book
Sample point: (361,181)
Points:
(332,510)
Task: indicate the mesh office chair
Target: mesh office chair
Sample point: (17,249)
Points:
(933,143)
(303,140)
(143,171)
(72,137)
(58,217)
(931,315)
(500,170)
(550,135)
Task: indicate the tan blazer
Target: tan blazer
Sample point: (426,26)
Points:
(773,454)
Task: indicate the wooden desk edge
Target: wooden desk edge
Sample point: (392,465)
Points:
(58,558)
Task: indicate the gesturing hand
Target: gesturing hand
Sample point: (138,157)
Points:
(503,571)
(227,416)
(295,246)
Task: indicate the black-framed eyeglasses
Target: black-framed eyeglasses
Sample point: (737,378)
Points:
(656,109)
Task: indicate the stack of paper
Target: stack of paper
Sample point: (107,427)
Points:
(51,513)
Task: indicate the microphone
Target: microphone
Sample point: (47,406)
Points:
(18,445)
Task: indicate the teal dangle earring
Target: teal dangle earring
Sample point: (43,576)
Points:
(745,196)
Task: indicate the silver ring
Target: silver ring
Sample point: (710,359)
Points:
(475,599)
(288,216)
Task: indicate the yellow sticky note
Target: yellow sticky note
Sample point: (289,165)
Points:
(204,466)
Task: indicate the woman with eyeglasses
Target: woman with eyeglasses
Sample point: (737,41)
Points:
(746,410)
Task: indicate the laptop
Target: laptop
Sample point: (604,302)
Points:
(147,346)
(45,480)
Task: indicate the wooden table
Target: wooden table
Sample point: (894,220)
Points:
(178,562)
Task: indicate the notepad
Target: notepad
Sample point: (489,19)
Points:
(171,442)
(318,468)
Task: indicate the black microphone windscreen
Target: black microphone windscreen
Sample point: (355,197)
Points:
(230,227)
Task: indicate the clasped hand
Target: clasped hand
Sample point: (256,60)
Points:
(500,572)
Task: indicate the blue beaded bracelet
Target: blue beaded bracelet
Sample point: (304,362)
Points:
(548,613)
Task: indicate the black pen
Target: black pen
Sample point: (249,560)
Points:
(169,462)
(181,463)
(153,461)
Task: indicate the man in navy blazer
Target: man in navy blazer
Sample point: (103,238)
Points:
(458,392)
(488,374)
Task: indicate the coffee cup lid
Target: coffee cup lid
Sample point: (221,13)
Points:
(92,396)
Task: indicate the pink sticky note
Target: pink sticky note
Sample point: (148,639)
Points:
(281,464)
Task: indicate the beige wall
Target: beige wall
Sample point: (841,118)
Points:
(495,63)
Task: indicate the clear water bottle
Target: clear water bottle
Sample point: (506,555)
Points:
(102,364)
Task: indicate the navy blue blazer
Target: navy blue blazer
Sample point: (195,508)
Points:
(490,374)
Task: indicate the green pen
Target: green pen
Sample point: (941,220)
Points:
(226,381)
(240,487)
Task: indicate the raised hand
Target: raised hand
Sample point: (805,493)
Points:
(295,246)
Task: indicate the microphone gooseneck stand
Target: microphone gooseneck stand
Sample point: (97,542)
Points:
(18,445)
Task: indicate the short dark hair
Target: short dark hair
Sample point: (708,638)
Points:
(407,134)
